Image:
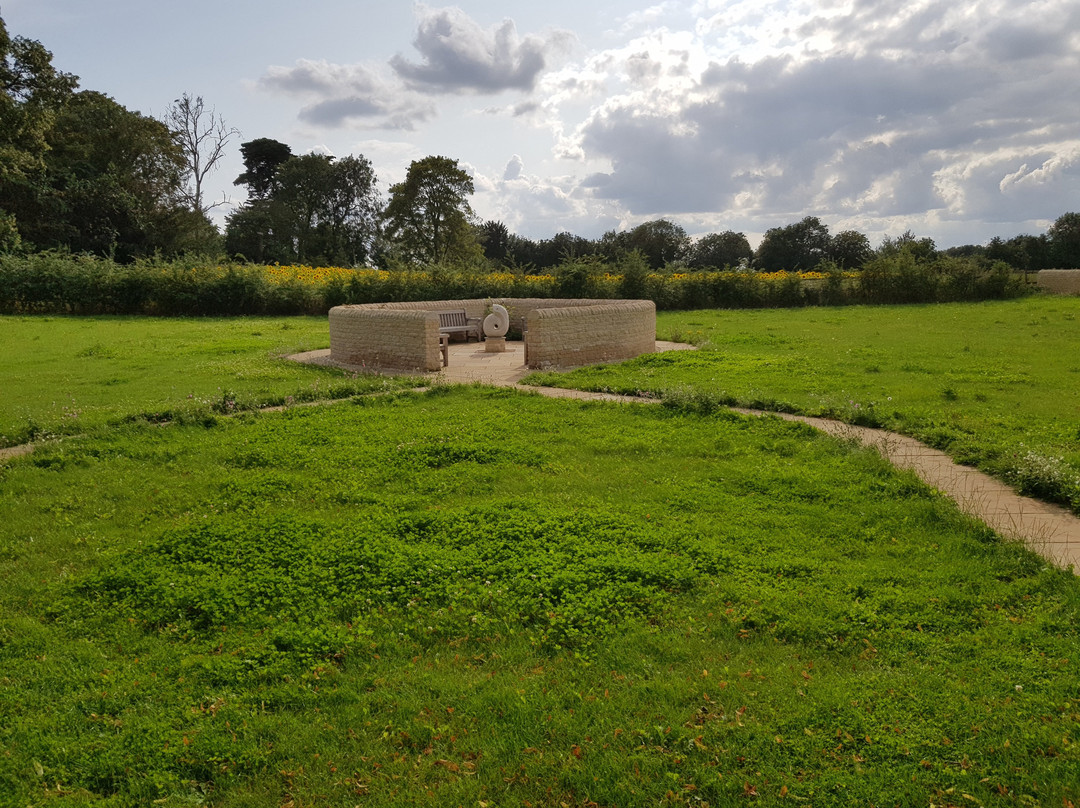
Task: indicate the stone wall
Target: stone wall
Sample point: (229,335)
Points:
(517,307)
(1060,281)
(583,335)
(561,332)
(379,338)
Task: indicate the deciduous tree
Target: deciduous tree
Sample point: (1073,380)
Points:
(921,249)
(1064,238)
(112,183)
(32,93)
(318,210)
(428,216)
(850,249)
(660,242)
(719,250)
(79,171)
(799,246)
(494,237)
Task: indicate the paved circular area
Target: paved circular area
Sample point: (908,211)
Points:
(468,362)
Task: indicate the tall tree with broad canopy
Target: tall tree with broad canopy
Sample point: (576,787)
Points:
(428,216)
(335,207)
(921,249)
(32,93)
(1023,252)
(719,250)
(494,237)
(660,242)
(850,249)
(113,183)
(1064,238)
(318,209)
(79,171)
(799,246)
(262,157)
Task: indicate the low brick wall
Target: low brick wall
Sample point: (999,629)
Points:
(584,335)
(376,338)
(561,332)
(1059,281)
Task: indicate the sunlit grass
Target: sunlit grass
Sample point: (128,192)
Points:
(481,597)
(64,375)
(993,384)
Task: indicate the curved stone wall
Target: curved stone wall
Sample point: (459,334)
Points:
(608,331)
(377,338)
(557,332)
(1060,281)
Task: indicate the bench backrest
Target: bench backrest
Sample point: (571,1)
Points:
(449,319)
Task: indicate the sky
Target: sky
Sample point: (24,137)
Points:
(955,119)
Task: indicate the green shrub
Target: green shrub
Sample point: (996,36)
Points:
(578,277)
(68,284)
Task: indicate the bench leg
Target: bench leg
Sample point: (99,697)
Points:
(444,348)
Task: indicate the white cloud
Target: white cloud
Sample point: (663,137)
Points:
(867,113)
(319,76)
(458,55)
(851,110)
(339,94)
(513,168)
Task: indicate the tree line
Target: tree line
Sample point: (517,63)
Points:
(79,172)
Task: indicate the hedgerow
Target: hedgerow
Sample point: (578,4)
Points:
(60,283)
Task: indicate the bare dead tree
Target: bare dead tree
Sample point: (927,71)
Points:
(202,136)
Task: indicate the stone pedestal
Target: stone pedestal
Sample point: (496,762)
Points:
(495,345)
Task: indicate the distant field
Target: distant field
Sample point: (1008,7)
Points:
(68,374)
(996,385)
(485,598)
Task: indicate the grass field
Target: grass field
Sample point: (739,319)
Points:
(482,597)
(63,375)
(996,385)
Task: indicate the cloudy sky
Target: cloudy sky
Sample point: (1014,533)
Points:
(959,120)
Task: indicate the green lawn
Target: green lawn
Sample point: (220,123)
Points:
(62,375)
(996,385)
(481,597)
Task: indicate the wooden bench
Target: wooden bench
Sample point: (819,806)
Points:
(456,322)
